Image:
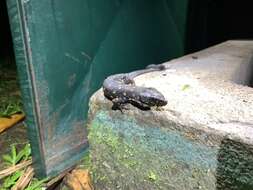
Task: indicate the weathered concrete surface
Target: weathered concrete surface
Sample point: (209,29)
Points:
(203,138)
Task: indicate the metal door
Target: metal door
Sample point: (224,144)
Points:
(64,49)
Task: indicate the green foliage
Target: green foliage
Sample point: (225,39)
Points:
(36,184)
(26,152)
(12,107)
(13,158)
(11,180)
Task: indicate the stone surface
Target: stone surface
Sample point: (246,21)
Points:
(201,140)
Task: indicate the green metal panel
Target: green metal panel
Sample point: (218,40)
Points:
(64,49)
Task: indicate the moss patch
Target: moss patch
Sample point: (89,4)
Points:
(126,155)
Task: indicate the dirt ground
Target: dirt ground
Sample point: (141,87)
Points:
(10,101)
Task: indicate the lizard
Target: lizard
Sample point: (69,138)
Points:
(121,90)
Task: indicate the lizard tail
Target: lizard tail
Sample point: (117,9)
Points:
(160,67)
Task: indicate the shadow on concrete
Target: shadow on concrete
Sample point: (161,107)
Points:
(235,166)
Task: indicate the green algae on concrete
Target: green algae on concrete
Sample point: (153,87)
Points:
(128,155)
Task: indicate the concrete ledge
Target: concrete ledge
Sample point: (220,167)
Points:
(201,140)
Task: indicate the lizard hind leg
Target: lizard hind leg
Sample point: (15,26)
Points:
(141,106)
(119,104)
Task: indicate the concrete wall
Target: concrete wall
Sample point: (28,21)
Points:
(203,137)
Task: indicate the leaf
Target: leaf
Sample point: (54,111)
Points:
(13,154)
(36,185)
(19,156)
(11,108)
(11,180)
(27,151)
(8,159)
(24,153)
(185,87)
(15,157)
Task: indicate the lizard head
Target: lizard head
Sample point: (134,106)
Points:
(152,97)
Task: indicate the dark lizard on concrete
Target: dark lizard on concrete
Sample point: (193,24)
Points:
(121,90)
